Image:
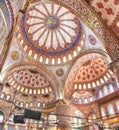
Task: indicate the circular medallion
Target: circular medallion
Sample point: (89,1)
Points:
(92,39)
(15,55)
(60,72)
(52,23)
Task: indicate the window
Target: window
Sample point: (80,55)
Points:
(85,100)
(8,97)
(80,100)
(27,104)
(21,104)
(100,94)
(105,90)
(43,104)
(110,109)
(103,113)
(117,105)
(111,88)
(91,99)
(1,116)
(38,104)
(2,95)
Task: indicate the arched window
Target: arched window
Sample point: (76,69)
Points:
(21,104)
(43,104)
(38,104)
(117,105)
(2,95)
(117,76)
(100,94)
(31,104)
(8,97)
(111,88)
(103,113)
(27,104)
(80,100)
(110,109)
(91,99)
(105,90)
(1,116)
(85,100)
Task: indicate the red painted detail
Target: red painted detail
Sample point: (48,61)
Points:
(109,11)
(100,5)
(106,0)
(116,2)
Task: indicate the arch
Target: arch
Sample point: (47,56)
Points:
(92,117)
(95,23)
(53,83)
(78,119)
(80,75)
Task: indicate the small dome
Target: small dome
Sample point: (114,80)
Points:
(82,97)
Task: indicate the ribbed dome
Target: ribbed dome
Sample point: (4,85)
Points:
(52,31)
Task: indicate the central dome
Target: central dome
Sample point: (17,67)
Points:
(50,31)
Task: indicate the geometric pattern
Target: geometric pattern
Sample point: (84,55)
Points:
(50,33)
(92,20)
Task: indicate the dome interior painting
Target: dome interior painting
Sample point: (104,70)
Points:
(60,59)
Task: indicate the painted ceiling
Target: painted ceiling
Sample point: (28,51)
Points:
(57,50)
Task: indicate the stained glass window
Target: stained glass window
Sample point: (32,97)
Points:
(111,88)
(105,90)
(110,109)
(103,113)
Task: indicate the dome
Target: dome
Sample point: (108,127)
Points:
(31,80)
(82,97)
(60,59)
(50,33)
